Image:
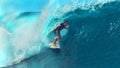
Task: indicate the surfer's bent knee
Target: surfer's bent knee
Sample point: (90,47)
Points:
(58,34)
(59,38)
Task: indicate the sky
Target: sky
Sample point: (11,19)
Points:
(7,6)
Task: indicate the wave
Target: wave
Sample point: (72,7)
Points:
(80,15)
(57,13)
(91,26)
(19,37)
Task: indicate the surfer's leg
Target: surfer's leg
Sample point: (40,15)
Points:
(58,37)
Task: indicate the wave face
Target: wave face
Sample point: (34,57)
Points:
(92,40)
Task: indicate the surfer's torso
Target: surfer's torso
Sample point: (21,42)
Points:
(60,27)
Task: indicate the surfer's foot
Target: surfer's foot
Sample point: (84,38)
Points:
(53,44)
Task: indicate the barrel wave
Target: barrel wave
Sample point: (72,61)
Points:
(92,40)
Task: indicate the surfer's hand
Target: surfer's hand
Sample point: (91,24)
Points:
(66,27)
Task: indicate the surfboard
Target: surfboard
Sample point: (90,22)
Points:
(53,47)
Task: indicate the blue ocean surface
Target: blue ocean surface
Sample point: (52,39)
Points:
(91,41)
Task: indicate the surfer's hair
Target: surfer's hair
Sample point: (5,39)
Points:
(66,21)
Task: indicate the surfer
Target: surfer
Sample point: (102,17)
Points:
(57,32)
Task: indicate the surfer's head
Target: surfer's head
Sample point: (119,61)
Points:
(65,23)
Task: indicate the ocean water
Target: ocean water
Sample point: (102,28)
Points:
(92,40)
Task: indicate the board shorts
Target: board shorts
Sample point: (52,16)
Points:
(57,33)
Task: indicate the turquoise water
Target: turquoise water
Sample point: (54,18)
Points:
(92,40)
